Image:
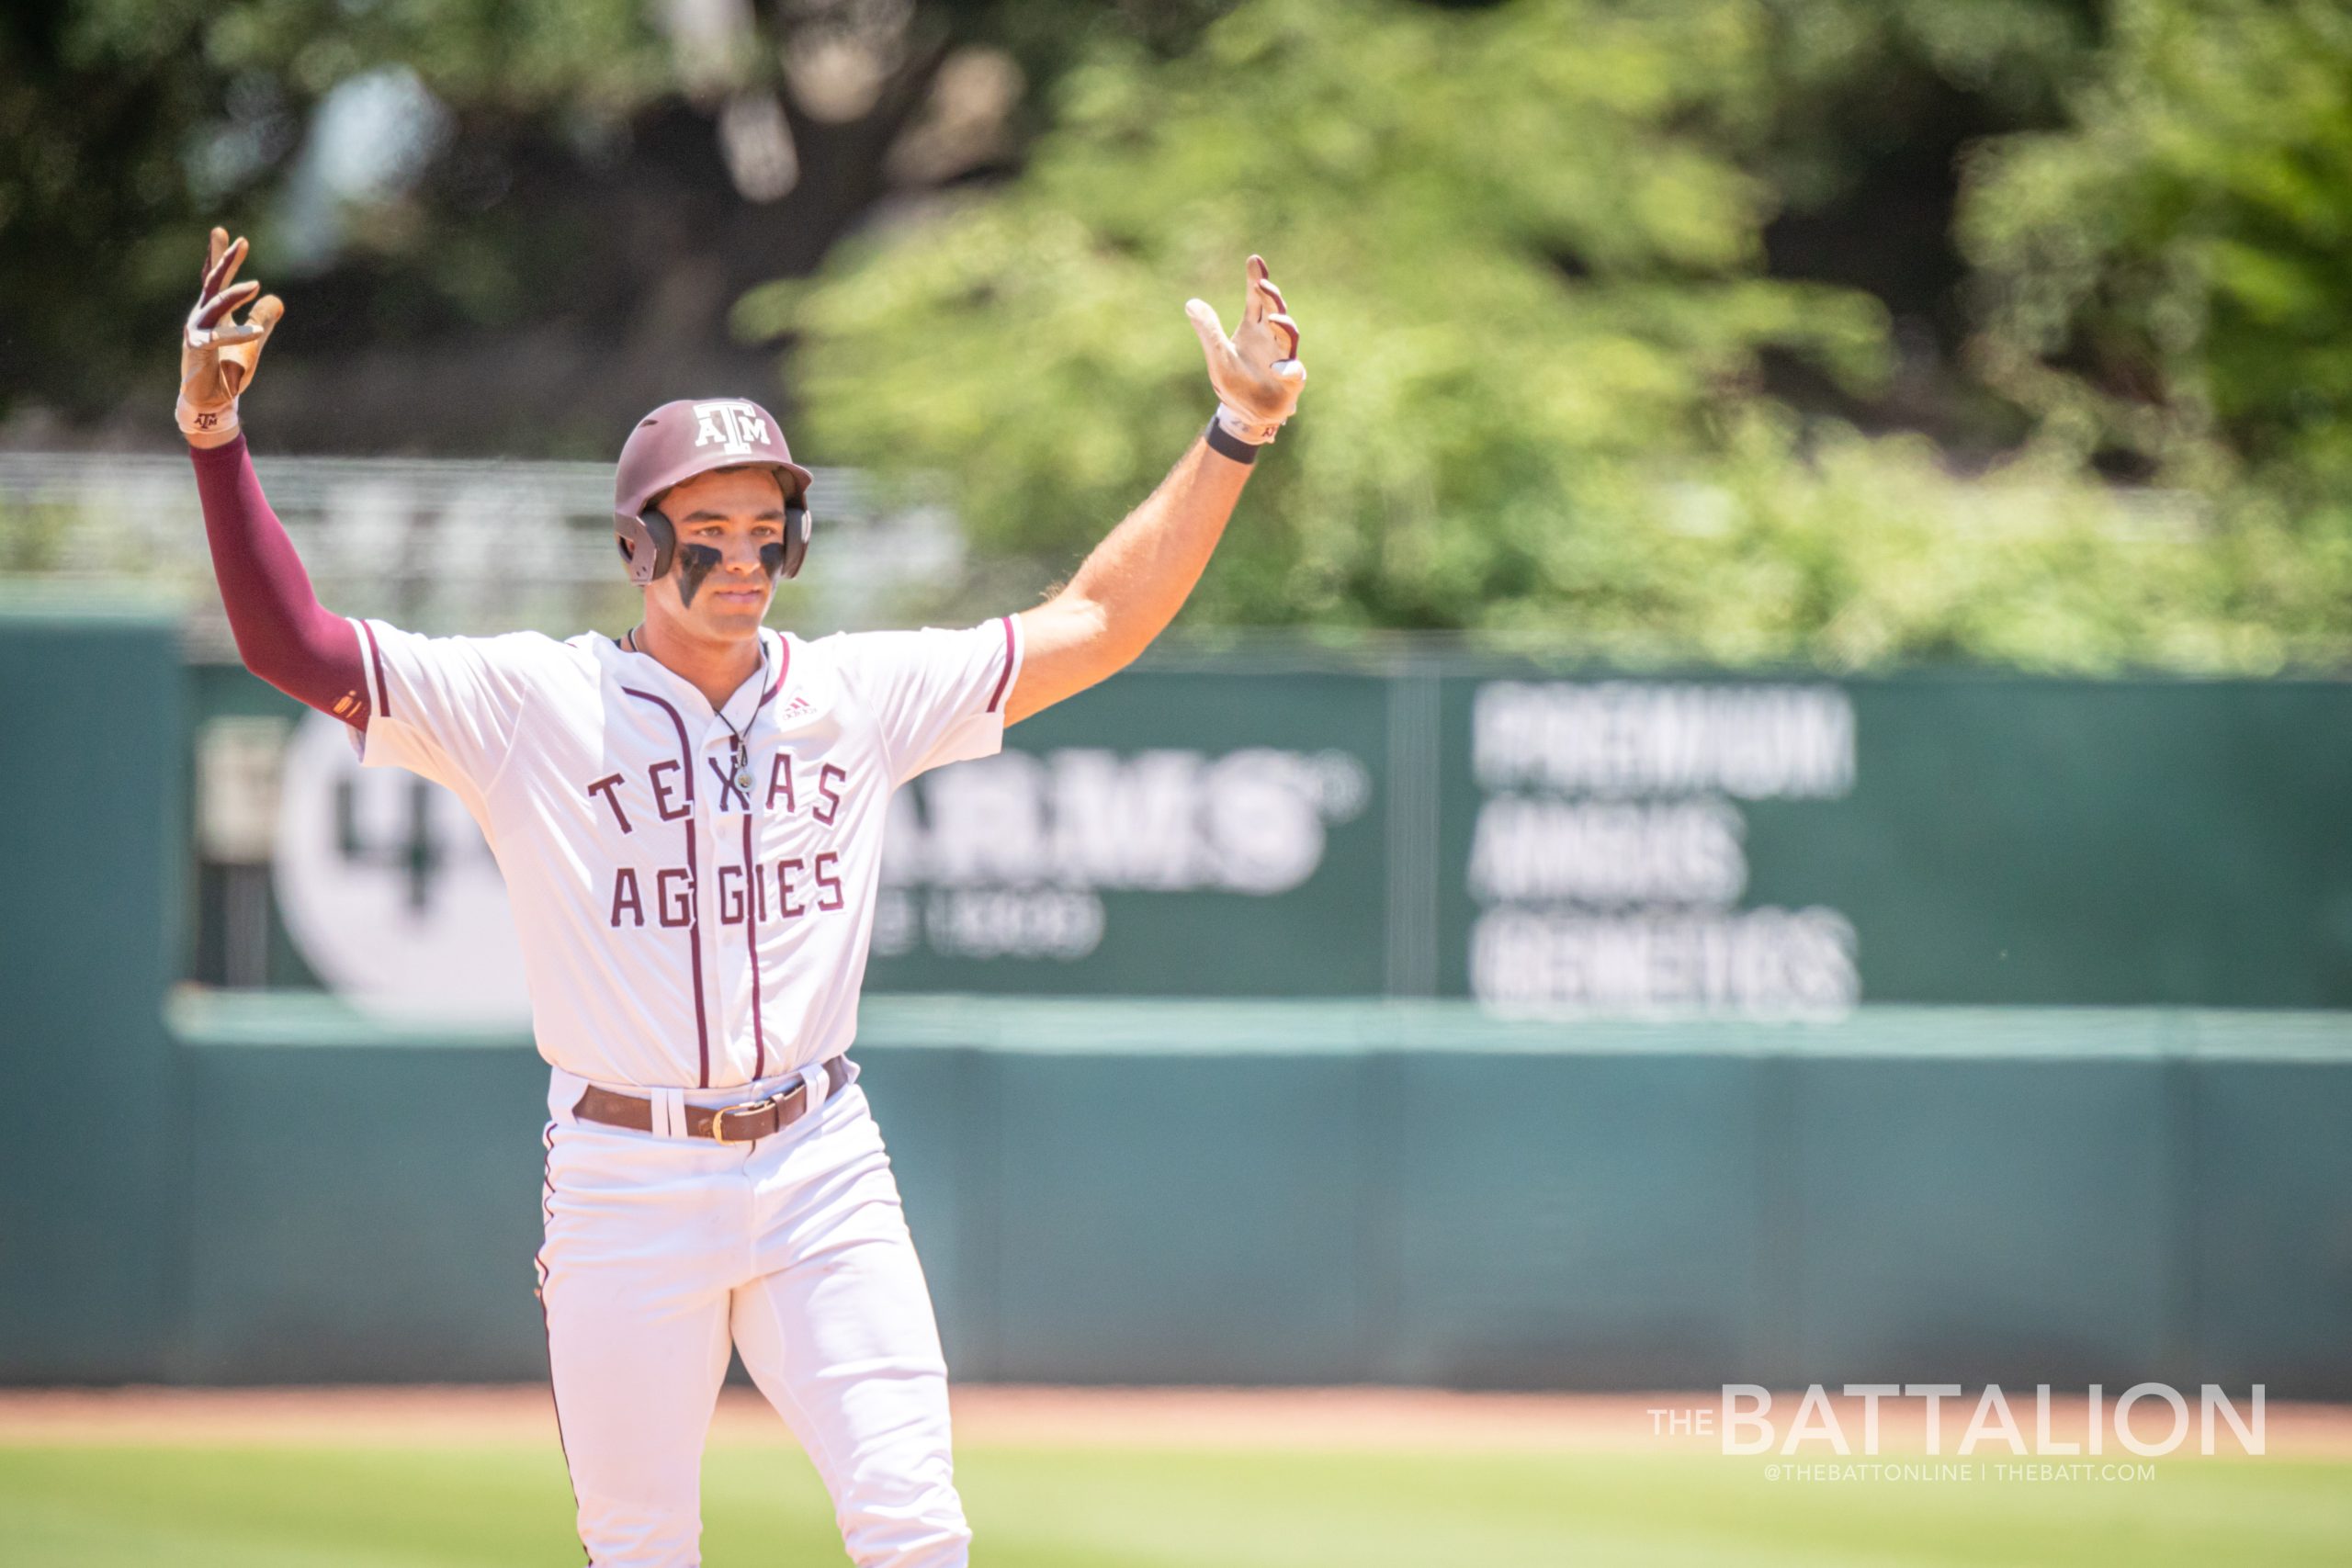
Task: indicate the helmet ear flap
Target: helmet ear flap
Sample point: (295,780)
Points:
(797,527)
(646,543)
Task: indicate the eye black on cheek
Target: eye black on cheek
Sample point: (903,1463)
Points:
(694,563)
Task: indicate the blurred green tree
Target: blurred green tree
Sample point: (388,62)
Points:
(1529,245)
(500,227)
(1619,313)
(92,132)
(2166,281)
(1528,271)
(127,126)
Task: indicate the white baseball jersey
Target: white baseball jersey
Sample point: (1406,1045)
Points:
(693,914)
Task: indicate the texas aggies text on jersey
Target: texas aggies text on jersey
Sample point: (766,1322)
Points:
(694,889)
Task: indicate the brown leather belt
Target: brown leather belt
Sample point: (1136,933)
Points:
(744,1123)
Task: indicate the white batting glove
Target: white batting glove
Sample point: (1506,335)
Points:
(1256,371)
(218,353)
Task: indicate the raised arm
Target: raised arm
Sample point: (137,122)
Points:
(284,634)
(1133,584)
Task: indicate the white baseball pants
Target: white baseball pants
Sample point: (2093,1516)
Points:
(661,1251)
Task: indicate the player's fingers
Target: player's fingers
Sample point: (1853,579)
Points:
(1207,327)
(223,270)
(214,245)
(265,313)
(1254,304)
(1289,328)
(224,267)
(210,312)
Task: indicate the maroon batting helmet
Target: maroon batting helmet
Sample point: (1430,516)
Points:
(694,436)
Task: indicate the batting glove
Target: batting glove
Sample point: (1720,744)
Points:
(1256,371)
(216,353)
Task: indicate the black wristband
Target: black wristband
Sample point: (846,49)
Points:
(1224,444)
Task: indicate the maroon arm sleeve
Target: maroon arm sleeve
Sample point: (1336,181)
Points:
(284,634)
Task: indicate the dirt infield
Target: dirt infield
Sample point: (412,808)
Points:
(995,1416)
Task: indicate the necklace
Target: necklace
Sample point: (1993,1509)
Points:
(739,747)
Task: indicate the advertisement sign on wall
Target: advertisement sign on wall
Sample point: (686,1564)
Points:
(389,888)
(1543,843)
(1607,863)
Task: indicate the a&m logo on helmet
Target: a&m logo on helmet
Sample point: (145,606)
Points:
(732,425)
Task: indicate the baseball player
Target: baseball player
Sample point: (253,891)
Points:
(689,820)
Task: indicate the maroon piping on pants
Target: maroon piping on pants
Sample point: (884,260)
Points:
(694,880)
(547,1329)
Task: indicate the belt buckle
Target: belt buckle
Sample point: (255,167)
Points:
(719,1117)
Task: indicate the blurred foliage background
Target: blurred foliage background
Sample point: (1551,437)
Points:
(1754,332)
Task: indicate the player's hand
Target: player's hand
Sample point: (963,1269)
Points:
(218,353)
(1256,371)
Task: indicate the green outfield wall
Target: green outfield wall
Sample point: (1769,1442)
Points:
(92,786)
(1296,1186)
(1320,1193)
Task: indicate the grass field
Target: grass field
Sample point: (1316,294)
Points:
(1132,1503)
